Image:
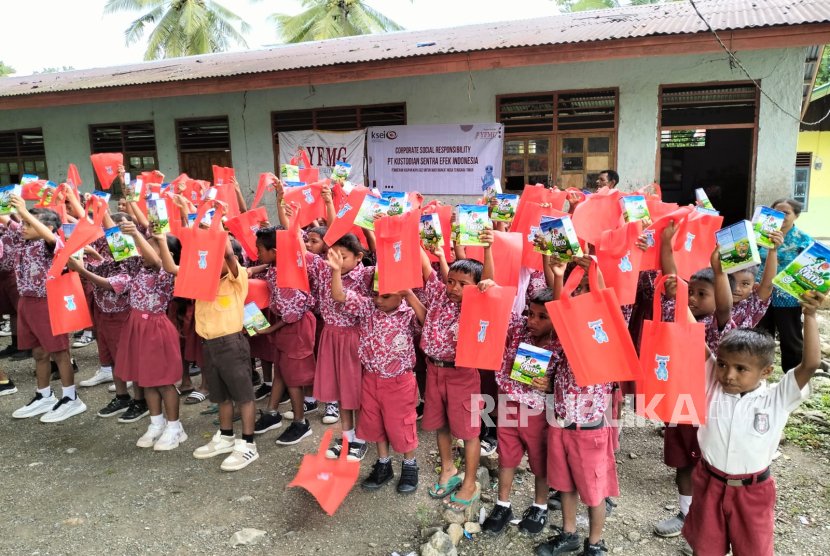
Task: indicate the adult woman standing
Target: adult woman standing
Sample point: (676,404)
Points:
(784,314)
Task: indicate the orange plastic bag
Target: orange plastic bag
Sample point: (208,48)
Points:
(482,327)
(258,293)
(291,265)
(694,242)
(528,227)
(540,194)
(328,480)
(344,219)
(106,167)
(85,233)
(399,253)
(68,309)
(673,360)
(596,214)
(593,332)
(619,260)
(203,253)
(309,198)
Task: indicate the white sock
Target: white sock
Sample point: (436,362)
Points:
(68,392)
(505,504)
(107,369)
(45,392)
(310,400)
(269,383)
(685,503)
(87,333)
(349,435)
(157,419)
(175,425)
(541,506)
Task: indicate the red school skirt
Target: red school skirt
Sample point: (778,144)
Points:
(149,352)
(192,341)
(338,375)
(8,293)
(262,347)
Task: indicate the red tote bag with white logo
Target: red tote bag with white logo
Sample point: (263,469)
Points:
(673,361)
(596,214)
(85,232)
(310,200)
(291,265)
(203,253)
(619,260)
(344,219)
(694,242)
(528,226)
(399,253)
(482,327)
(68,310)
(593,332)
(106,167)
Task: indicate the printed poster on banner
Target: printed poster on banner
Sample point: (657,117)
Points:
(325,149)
(436,159)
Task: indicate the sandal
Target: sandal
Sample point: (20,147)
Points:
(235,419)
(451,486)
(194,397)
(464,503)
(186,392)
(209,410)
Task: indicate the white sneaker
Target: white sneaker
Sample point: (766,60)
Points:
(100,377)
(112,387)
(37,406)
(64,409)
(170,439)
(149,438)
(243,454)
(83,341)
(332,414)
(218,445)
(6,329)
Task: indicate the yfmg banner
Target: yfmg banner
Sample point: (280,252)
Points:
(325,149)
(436,159)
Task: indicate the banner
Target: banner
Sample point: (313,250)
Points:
(435,159)
(325,149)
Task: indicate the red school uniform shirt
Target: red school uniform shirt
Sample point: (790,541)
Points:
(440,335)
(520,392)
(11,243)
(359,280)
(749,312)
(386,347)
(117,274)
(288,303)
(713,335)
(32,261)
(150,291)
(573,403)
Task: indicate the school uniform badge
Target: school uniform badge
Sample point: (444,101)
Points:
(761,422)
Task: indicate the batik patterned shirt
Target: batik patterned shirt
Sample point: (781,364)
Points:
(290,304)
(517,333)
(440,336)
(359,280)
(749,312)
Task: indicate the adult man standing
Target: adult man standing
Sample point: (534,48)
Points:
(608,178)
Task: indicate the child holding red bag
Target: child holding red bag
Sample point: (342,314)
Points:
(390,393)
(710,302)
(580,444)
(750,300)
(38,243)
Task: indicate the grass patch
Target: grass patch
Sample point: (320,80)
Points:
(806,432)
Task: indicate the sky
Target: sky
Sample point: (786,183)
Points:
(76,33)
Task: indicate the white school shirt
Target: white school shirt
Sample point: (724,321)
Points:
(742,433)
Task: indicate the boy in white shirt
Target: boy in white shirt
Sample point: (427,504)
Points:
(734,494)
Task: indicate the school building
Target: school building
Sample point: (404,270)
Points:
(646,90)
(812,179)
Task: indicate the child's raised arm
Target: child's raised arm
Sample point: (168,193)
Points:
(147,252)
(74,204)
(167,262)
(438,252)
(335,261)
(554,268)
(417,306)
(240,198)
(723,292)
(279,191)
(811,354)
(45,233)
(771,267)
(331,211)
(488,237)
(91,277)
(667,263)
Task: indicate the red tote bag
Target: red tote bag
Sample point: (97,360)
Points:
(528,227)
(593,333)
(673,360)
(654,237)
(482,327)
(540,194)
(310,200)
(598,213)
(245,226)
(227,194)
(694,242)
(619,260)
(68,309)
(344,219)
(258,293)
(222,175)
(73,178)
(507,255)
(85,233)
(32,191)
(399,253)
(309,175)
(106,167)
(200,265)
(291,264)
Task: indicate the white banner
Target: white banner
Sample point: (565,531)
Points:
(325,149)
(446,159)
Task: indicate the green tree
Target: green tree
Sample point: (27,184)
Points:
(822,78)
(330,19)
(181,27)
(567,6)
(6,70)
(54,70)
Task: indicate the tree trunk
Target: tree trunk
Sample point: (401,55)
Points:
(344,14)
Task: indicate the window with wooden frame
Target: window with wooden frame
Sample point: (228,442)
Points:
(21,152)
(202,144)
(801,179)
(135,140)
(564,138)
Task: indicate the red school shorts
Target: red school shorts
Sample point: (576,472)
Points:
(515,440)
(9,297)
(583,461)
(722,516)
(293,352)
(680,447)
(387,411)
(449,401)
(109,327)
(34,330)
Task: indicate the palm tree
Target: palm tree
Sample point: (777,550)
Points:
(330,19)
(567,6)
(6,70)
(182,27)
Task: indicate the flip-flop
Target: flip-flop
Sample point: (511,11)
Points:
(465,503)
(186,392)
(195,397)
(451,486)
(235,419)
(209,410)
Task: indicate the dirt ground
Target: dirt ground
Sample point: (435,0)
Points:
(82,487)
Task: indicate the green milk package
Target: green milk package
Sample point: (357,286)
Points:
(764,221)
(430,228)
(472,220)
(289,172)
(531,362)
(809,271)
(253,319)
(5,197)
(634,207)
(703,198)
(121,245)
(505,209)
(397,202)
(559,238)
(738,249)
(371,206)
(157,215)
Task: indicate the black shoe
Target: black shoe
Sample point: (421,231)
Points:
(137,410)
(21,354)
(115,407)
(8,351)
(267,422)
(598,549)
(336,448)
(357,451)
(560,544)
(533,521)
(308,407)
(8,389)
(609,506)
(555,501)
(409,479)
(256,379)
(262,392)
(419,411)
(294,433)
(381,474)
(286,398)
(488,446)
(498,520)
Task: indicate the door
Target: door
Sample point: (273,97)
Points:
(199,166)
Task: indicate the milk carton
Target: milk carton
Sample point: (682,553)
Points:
(397,202)
(634,207)
(430,228)
(5,197)
(738,249)
(505,208)
(157,215)
(531,362)
(121,245)
(472,220)
(559,238)
(809,271)
(764,221)
(703,199)
(253,319)
(371,206)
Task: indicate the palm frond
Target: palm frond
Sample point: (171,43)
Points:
(165,41)
(381,23)
(136,29)
(115,6)
(291,28)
